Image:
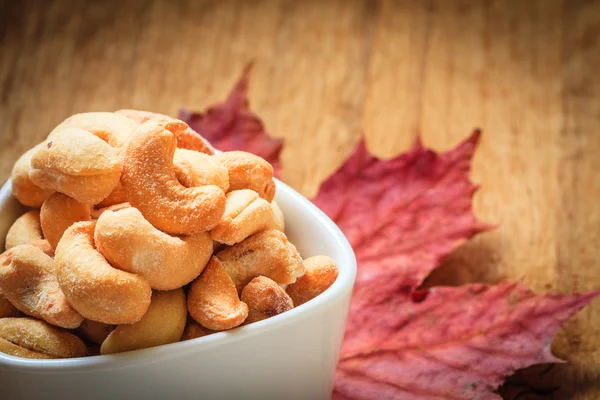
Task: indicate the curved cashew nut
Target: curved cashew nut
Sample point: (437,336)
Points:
(96,213)
(27,280)
(95,289)
(320,273)
(194,330)
(198,169)
(265,299)
(245,214)
(152,187)
(248,171)
(113,128)
(132,244)
(58,213)
(186,139)
(163,323)
(30,338)
(62,165)
(24,230)
(95,332)
(23,188)
(213,299)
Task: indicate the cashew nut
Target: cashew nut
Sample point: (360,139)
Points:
(198,169)
(24,230)
(23,188)
(320,273)
(194,330)
(132,244)
(30,338)
(27,280)
(77,163)
(245,214)
(213,299)
(95,332)
(112,128)
(277,221)
(265,299)
(152,187)
(95,289)
(248,171)
(58,213)
(96,213)
(163,323)
(117,196)
(186,139)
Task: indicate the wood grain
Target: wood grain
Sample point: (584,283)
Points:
(325,72)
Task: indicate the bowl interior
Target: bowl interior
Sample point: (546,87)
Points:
(307,227)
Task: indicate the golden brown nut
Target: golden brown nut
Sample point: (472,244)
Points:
(194,330)
(266,253)
(27,280)
(58,213)
(24,230)
(96,213)
(95,289)
(117,196)
(186,139)
(320,273)
(112,128)
(198,169)
(245,214)
(30,338)
(163,323)
(77,163)
(265,299)
(95,332)
(277,221)
(6,307)
(248,171)
(152,187)
(213,299)
(23,188)
(132,244)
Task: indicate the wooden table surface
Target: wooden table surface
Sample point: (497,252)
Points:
(526,72)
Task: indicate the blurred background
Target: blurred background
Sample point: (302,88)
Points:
(325,73)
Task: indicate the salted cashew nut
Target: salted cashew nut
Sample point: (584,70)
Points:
(77,163)
(111,127)
(153,188)
(198,169)
(248,171)
(27,279)
(245,214)
(277,219)
(163,323)
(194,330)
(320,273)
(186,139)
(265,299)
(95,289)
(96,213)
(30,338)
(95,332)
(23,188)
(213,300)
(58,213)
(24,230)
(129,242)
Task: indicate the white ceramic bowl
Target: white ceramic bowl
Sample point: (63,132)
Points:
(290,356)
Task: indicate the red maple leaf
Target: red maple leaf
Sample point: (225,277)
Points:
(232,126)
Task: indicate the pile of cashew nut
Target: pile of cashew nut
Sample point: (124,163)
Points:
(138,234)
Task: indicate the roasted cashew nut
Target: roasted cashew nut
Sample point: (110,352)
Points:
(23,188)
(265,299)
(58,213)
(245,214)
(193,168)
(111,127)
(152,186)
(24,230)
(77,163)
(27,279)
(95,332)
(30,338)
(95,289)
(163,323)
(132,244)
(186,139)
(213,300)
(320,273)
(248,171)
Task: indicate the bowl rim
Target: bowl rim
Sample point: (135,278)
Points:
(334,294)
